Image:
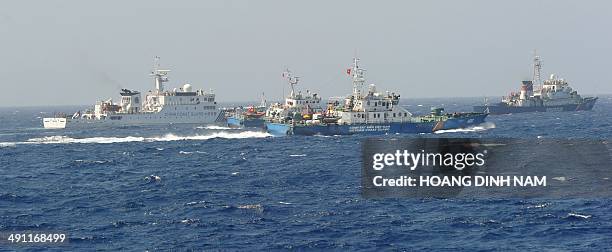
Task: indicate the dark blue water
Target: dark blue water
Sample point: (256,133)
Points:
(245,190)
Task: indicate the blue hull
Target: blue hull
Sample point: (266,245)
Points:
(234,122)
(279,129)
(375,129)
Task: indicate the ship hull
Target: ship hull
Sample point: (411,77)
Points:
(375,129)
(234,122)
(501,108)
(129,120)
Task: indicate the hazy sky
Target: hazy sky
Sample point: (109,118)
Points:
(76,52)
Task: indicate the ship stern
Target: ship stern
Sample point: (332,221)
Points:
(54,123)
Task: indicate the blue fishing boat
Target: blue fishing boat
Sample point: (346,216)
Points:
(368,112)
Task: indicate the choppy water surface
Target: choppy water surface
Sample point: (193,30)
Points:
(218,188)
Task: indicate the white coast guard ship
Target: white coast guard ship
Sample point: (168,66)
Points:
(552,95)
(160,106)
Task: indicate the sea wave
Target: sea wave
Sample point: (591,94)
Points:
(213,127)
(165,138)
(578,216)
(7,144)
(67,139)
(476,128)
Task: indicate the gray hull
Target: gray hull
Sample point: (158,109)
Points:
(502,108)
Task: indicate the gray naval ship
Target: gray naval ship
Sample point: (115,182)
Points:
(553,94)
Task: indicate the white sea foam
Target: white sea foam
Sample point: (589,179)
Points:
(190,221)
(579,215)
(543,205)
(66,139)
(256,207)
(476,128)
(7,144)
(165,138)
(152,178)
(560,178)
(195,202)
(297,155)
(213,127)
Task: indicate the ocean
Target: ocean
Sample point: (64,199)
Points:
(214,188)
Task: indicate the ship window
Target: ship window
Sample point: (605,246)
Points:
(405,114)
(393,114)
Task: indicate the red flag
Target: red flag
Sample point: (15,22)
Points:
(348,71)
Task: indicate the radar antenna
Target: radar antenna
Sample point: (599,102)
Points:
(357,74)
(160,75)
(263,103)
(292,80)
(537,68)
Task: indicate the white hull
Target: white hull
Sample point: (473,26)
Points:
(133,120)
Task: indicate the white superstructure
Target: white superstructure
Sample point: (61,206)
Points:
(554,91)
(159,106)
(296,102)
(367,106)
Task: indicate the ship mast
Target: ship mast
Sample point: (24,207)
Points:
(357,74)
(159,75)
(292,80)
(263,103)
(537,69)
